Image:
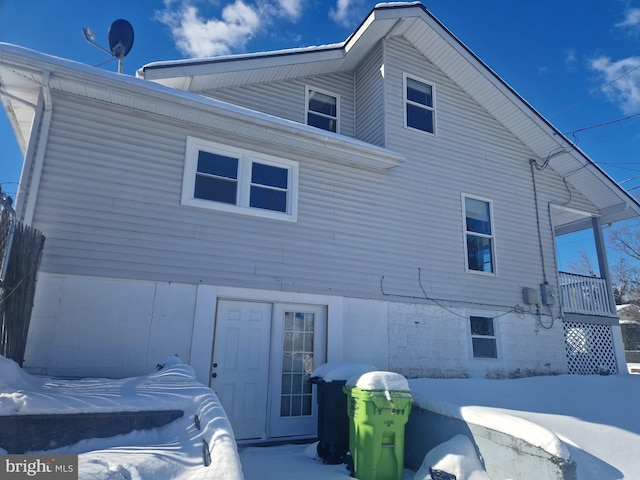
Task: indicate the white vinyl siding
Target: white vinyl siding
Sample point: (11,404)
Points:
(109,203)
(369,79)
(219,177)
(287,99)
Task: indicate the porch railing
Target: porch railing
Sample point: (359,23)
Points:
(585,295)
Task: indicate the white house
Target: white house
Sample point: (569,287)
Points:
(386,200)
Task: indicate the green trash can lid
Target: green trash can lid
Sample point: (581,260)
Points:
(384,381)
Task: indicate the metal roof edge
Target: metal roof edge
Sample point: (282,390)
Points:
(312,51)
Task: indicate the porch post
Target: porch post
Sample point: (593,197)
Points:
(603,262)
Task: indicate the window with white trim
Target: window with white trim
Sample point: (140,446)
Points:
(483,337)
(479,238)
(322,109)
(230,179)
(419,105)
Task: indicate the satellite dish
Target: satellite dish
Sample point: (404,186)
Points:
(120,38)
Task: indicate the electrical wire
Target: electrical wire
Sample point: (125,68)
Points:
(606,85)
(551,154)
(537,208)
(538,316)
(517,309)
(600,125)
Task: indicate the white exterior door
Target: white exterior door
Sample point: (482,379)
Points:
(262,356)
(240,368)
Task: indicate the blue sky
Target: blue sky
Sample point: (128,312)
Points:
(575,61)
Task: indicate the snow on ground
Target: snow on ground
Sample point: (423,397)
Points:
(595,417)
(292,462)
(591,418)
(174,451)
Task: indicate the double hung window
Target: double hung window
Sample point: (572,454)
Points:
(419,104)
(483,337)
(236,180)
(322,110)
(479,238)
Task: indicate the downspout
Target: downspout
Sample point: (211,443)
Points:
(43,139)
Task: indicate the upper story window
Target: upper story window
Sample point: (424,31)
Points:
(220,177)
(322,109)
(419,105)
(483,337)
(479,238)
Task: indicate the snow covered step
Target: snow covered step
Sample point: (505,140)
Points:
(29,433)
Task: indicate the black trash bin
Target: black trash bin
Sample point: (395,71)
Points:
(333,418)
(333,421)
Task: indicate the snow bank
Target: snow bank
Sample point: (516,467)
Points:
(12,377)
(449,404)
(526,430)
(334,371)
(380,381)
(457,457)
(21,393)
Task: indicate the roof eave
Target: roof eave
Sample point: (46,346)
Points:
(99,85)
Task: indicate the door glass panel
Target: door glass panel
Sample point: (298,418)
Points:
(297,364)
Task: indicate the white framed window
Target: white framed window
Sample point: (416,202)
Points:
(419,105)
(479,237)
(484,343)
(230,179)
(322,109)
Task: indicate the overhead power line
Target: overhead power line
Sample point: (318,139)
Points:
(599,125)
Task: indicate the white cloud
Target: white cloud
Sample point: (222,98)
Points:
(570,58)
(631,20)
(621,81)
(292,8)
(347,12)
(200,37)
(197,34)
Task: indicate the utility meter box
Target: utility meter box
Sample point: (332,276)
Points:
(548,294)
(529,296)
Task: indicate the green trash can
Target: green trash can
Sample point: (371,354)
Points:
(378,407)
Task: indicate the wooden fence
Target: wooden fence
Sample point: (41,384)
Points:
(20,254)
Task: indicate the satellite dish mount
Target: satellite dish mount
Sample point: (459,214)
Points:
(120,37)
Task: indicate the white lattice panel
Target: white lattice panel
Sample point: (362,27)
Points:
(590,349)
